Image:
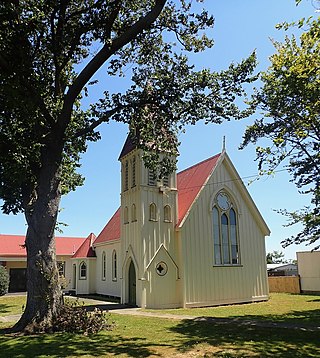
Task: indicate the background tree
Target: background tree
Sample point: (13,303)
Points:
(275,257)
(47,60)
(290,102)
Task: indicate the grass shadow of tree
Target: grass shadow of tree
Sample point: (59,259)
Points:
(245,340)
(65,345)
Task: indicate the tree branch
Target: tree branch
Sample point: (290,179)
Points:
(103,55)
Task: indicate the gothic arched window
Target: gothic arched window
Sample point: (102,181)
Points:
(104,265)
(167,213)
(126,215)
(114,265)
(153,212)
(83,271)
(133,213)
(225,231)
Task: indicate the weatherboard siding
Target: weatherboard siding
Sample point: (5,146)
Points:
(206,284)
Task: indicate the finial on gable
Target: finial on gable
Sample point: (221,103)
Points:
(224,144)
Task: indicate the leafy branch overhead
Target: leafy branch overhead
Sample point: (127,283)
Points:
(48,58)
(289,101)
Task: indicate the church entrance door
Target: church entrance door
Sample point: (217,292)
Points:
(132,284)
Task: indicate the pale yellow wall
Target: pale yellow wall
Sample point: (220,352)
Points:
(144,237)
(85,286)
(309,270)
(163,291)
(205,284)
(108,286)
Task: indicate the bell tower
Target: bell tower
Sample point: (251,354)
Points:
(148,219)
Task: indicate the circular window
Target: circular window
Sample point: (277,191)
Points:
(161,268)
(223,201)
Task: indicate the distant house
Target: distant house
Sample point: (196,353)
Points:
(190,239)
(309,271)
(14,257)
(282,269)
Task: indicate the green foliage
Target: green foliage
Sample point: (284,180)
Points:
(4,281)
(275,257)
(290,104)
(48,60)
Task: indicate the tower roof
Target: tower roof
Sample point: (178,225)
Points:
(128,146)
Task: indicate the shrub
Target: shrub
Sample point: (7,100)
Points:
(4,281)
(74,318)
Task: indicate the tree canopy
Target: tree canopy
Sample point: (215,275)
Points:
(50,51)
(290,103)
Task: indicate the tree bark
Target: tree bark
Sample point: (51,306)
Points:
(44,294)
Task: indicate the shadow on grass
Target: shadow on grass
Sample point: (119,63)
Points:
(303,319)
(65,345)
(244,341)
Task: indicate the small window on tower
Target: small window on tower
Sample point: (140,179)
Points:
(133,172)
(133,213)
(126,176)
(153,212)
(126,215)
(167,214)
(152,178)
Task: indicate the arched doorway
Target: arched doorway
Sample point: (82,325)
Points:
(132,284)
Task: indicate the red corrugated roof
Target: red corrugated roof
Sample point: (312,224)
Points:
(189,183)
(85,250)
(12,245)
(111,231)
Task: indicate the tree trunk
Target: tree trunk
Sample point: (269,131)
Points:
(44,294)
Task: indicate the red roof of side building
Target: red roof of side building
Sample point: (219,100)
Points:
(189,184)
(13,245)
(86,250)
(111,231)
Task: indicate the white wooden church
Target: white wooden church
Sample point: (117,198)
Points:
(193,239)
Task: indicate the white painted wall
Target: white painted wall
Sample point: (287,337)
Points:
(109,286)
(206,284)
(309,271)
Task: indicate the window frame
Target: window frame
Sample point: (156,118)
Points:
(167,214)
(153,212)
(133,213)
(81,276)
(104,266)
(225,234)
(114,265)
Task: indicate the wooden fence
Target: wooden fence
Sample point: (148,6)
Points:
(289,284)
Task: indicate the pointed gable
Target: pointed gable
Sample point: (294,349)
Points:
(111,231)
(85,250)
(127,147)
(190,182)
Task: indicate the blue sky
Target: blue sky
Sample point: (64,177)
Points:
(240,27)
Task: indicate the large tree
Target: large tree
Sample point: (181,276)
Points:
(290,102)
(48,57)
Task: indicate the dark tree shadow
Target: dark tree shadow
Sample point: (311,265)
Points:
(267,337)
(65,345)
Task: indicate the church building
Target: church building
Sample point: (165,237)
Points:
(192,239)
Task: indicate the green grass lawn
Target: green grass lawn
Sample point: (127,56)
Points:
(158,337)
(281,307)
